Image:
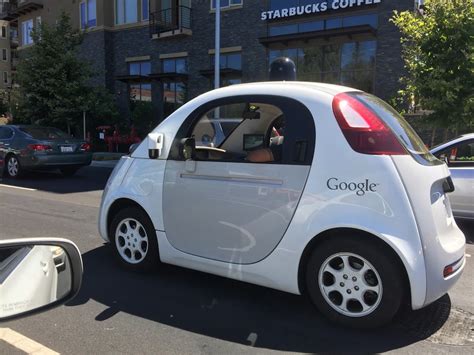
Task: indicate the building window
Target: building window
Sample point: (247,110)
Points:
(328,24)
(26,29)
(4,54)
(226,4)
(351,63)
(126,11)
(4,31)
(145,10)
(140,91)
(5,77)
(88,10)
(229,61)
(174,65)
(174,95)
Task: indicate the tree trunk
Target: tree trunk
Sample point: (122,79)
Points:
(445,137)
(68,128)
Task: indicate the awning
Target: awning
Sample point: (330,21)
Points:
(169,77)
(132,78)
(324,34)
(224,72)
(26,8)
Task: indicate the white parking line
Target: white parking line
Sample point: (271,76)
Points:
(23,343)
(17,187)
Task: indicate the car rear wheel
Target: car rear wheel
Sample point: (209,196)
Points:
(13,167)
(355,282)
(133,239)
(69,170)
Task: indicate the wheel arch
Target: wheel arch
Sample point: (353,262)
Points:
(120,204)
(338,232)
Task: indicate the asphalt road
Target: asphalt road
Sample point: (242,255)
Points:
(175,310)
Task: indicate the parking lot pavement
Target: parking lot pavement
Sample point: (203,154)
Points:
(177,311)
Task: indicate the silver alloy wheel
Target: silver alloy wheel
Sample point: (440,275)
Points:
(13,166)
(350,284)
(131,241)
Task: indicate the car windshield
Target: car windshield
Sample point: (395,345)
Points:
(44,133)
(400,127)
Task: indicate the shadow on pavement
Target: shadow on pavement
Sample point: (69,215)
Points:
(239,312)
(86,179)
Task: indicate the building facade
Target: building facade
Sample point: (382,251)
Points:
(162,51)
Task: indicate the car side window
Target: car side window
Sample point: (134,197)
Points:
(217,124)
(250,129)
(6,133)
(461,154)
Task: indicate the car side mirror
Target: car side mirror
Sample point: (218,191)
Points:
(37,275)
(155,145)
(132,148)
(188,149)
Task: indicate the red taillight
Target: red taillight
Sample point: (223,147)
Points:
(85,147)
(452,268)
(39,147)
(365,132)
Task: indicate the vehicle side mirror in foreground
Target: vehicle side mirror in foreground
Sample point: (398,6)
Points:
(155,145)
(37,275)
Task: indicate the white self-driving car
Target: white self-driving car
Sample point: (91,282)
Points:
(309,188)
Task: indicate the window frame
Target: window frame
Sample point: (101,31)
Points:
(116,18)
(455,163)
(175,60)
(140,84)
(5,77)
(230,6)
(5,54)
(4,33)
(86,25)
(143,18)
(301,130)
(26,38)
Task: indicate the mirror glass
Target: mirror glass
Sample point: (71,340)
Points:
(31,277)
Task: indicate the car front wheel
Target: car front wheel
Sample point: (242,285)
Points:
(355,282)
(133,239)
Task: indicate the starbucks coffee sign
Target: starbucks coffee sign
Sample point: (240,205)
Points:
(315,8)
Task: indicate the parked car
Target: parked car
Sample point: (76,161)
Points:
(319,189)
(24,147)
(459,156)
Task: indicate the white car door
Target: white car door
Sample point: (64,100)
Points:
(221,206)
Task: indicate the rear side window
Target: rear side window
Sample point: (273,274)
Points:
(49,133)
(461,154)
(6,133)
(400,127)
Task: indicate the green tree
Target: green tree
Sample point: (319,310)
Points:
(55,83)
(438,49)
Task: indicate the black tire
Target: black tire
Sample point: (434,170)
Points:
(134,246)
(381,309)
(68,170)
(14,173)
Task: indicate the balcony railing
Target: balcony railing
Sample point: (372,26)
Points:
(7,9)
(172,19)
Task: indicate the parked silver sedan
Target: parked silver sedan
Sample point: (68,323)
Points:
(459,155)
(24,147)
